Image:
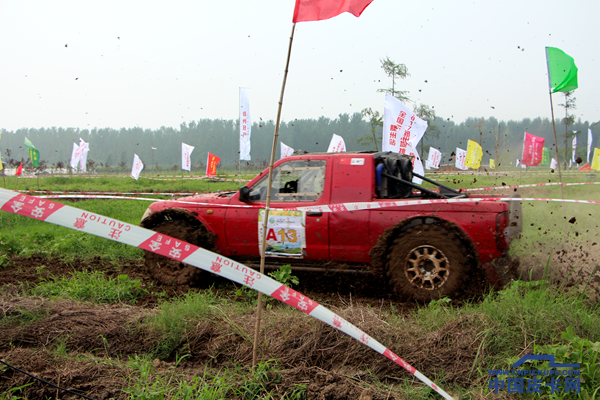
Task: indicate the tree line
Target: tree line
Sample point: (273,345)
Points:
(113,149)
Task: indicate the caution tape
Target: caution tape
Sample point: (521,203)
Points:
(530,185)
(133,235)
(92,196)
(332,208)
(50,192)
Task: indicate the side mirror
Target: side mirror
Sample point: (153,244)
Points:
(245,194)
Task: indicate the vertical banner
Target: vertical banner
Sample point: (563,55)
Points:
(545,157)
(553,164)
(186,156)
(75,156)
(474,154)
(19,169)
(34,154)
(402,131)
(533,149)
(337,144)
(461,156)
(84,148)
(590,139)
(435,156)
(400,126)
(574,148)
(137,167)
(492,163)
(245,124)
(211,165)
(596,159)
(285,150)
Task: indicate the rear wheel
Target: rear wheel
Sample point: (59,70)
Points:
(167,271)
(428,262)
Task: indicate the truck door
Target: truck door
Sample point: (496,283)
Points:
(352,180)
(297,182)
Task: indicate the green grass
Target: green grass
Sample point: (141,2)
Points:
(124,183)
(91,286)
(25,236)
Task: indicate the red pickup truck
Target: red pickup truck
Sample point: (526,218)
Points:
(348,211)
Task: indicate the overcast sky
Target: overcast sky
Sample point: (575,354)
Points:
(128,63)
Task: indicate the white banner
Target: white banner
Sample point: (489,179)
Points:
(400,126)
(75,156)
(286,151)
(84,148)
(137,167)
(590,139)
(245,124)
(417,163)
(337,144)
(435,156)
(553,164)
(518,163)
(186,156)
(574,147)
(461,156)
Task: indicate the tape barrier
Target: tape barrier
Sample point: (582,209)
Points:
(339,207)
(132,235)
(209,178)
(332,208)
(531,185)
(49,192)
(92,196)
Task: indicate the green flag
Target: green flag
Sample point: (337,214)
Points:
(545,157)
(562,72)
(34,154)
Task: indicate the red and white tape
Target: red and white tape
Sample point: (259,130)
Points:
(122,232)
(110,193)
(530,185)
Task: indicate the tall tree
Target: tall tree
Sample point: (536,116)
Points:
(423,111)
(394,71)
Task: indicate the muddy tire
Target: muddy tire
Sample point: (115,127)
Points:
(428,262)
(167,271)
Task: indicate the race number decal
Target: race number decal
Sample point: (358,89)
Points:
(285,233)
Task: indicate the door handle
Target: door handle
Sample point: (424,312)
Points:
(314,213)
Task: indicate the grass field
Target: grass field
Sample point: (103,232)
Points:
(82,312)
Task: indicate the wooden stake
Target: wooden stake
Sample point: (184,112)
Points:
(266,218)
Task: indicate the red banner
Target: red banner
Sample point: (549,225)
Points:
(211,165)
(533,149)
(318,10)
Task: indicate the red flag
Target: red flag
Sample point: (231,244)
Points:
(317,10)
(211,165)
(20,169)
(586,167)
(533,149)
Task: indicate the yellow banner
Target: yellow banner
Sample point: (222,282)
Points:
(474,154)
(596,159)
(492,163)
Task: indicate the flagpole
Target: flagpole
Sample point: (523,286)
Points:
(562,193)
(266,217)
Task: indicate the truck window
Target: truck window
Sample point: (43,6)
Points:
(299,180)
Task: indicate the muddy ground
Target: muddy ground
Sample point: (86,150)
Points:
(329,363)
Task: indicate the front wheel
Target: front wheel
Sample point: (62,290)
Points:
(428,262)
(168,271)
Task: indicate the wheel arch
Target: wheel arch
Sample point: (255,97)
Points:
(176,214)
(379,252)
